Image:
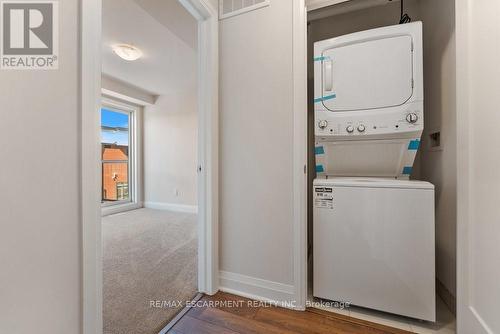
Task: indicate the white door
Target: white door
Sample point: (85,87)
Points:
(371,74)
(478,252)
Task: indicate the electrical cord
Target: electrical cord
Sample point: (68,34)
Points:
(405,18)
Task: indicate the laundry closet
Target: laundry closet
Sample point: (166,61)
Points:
(382,155)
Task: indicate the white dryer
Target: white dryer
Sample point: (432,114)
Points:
(368,89)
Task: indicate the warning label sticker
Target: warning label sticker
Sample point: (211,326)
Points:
(323,197)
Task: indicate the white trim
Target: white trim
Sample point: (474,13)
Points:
(256,288)
(171,207)
(114,209)
(90,75)
(208,145)
(223,16)
(196,9)
(468,320)
(465,318)
(121,106)
(123,91)
(126,98)
(317,4)
(136,179)
(479,322)
(136,155)
(300,153)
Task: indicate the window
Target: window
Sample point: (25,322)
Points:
(117,150)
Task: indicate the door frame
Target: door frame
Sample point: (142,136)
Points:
(208,154)
(469,319)
(300,153)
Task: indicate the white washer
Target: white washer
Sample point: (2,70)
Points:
(374,244)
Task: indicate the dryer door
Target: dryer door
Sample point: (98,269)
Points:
(368,74)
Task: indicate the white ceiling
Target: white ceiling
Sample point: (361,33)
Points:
(164,31)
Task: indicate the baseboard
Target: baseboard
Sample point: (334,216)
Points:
(257,289)
(171,207)
(114,209)
(448,298)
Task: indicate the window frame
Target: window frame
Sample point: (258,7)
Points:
(133,171)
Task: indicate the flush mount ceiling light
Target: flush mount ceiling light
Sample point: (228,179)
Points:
(127,52)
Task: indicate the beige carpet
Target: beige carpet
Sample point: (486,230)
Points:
(147,255)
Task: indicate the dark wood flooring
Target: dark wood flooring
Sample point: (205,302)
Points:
(244,319)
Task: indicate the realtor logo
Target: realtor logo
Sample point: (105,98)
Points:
(29,35)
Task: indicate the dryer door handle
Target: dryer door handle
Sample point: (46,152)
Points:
(328,74)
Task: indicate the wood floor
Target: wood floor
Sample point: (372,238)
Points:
(244,319)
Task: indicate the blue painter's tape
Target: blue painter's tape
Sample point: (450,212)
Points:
(321,58)
(320,169)
(325,98)
(407,170)
(319,150)
(414,145)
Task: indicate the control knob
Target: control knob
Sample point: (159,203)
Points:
(361,128)
(350,129)
(412,118)
(322,124)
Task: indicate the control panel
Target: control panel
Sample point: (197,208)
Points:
(369,123)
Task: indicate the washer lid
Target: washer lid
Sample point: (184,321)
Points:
(373,182)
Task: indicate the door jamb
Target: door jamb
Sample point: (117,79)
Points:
(300,153)
(90,182)
(468,318)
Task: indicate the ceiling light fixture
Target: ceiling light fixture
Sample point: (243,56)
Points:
(127,52)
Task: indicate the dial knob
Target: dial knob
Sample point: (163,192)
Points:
(350,129)
(322,124)
(361,128)
(412,118)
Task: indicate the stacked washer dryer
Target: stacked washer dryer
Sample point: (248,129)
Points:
(373,229)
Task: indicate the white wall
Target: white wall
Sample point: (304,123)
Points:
(40,238)
(214,3)
(173,16)
(148,25)
(440,166)
(170,150)
(256,135)
(170,133)
(478,81)
(117,89)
